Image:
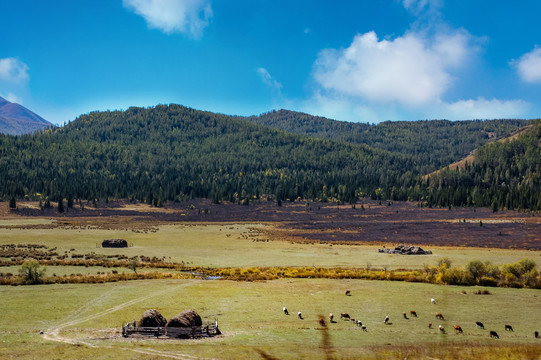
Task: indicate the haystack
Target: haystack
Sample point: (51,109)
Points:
(187,318)
(152,318)
(114,243)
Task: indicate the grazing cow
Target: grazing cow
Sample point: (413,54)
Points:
(363,327)
(386,321)
(509,328)
(322,321)
(331,317)
(433,301)
(347,292)
(413,313)
(458,329)
(300,315)
(494,334)
(359,323)
(430,325)
(405,316)
(439,316)
(479,324)
(536,334)
(345,316)
(441,329)
(285,311)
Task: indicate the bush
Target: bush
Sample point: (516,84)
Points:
(32,272)
(488,281)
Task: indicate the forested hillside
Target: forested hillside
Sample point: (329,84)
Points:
(434,143)
(173,152)
(503,175)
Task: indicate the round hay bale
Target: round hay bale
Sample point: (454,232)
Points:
(187,318)
(152,318)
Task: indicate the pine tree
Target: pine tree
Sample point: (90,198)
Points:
(61,205)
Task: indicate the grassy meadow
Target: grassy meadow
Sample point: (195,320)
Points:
(84,320)
(243,245)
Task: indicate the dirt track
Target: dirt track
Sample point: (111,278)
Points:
(53,333)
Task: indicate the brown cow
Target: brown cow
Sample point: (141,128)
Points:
(345,316)
(439,316)
(430,325)
(458,329)
(413,313)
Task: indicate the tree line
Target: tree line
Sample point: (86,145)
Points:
(171,153)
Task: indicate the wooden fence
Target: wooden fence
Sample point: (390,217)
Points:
(207,330)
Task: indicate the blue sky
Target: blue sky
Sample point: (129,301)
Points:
(354,60)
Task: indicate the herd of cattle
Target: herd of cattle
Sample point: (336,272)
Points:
(439,316)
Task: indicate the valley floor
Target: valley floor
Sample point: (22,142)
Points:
(84,320)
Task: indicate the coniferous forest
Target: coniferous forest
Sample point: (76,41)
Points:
(169,153)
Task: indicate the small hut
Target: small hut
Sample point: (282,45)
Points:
(114,243)
(152,318)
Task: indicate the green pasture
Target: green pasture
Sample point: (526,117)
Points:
(84,320)
(235,245)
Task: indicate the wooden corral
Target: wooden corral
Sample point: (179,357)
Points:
(205,330)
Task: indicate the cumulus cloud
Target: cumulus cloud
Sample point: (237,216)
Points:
(529,66)
(268,80)
(173,16)
(13,70)
(410,70)
(409,77)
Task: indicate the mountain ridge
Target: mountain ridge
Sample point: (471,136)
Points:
(15,119)
(437,142)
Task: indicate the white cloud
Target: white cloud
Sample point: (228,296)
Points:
(269,81)
(13,70)
(484,109)
(419,6)
(529,66)
(345,109)
(409,77)
(411,70)
(173,16)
